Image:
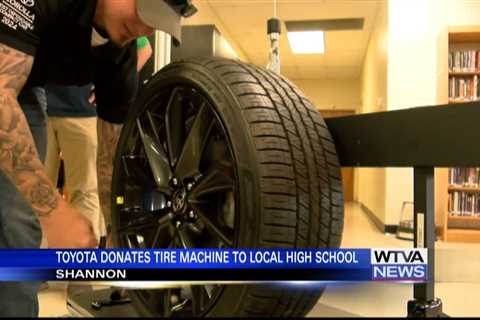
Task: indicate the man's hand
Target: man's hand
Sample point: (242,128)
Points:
(92,100)
(65,227)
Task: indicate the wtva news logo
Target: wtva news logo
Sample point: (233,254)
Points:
(399,265)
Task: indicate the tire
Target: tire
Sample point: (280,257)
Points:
(288,189)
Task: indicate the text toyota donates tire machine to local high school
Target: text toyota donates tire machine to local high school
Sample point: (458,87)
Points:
(230,113)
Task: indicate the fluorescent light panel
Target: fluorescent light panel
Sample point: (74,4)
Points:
(325,25)
(307,42)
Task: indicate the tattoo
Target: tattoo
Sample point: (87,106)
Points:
(18,155)
(41,195)
(108,135)
(15,67)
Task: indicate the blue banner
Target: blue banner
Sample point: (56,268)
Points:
(215,264)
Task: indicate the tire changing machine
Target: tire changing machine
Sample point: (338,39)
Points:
(419,137)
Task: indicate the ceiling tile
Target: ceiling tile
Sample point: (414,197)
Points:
(343,58)
(343,72)
(318,72)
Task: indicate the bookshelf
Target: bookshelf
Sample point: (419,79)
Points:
(458,189)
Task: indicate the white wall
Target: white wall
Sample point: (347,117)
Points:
(412,51)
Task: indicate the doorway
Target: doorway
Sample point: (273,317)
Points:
(347,173)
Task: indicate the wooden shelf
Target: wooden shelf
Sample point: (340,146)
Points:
(466,74)
(464,36)
(462,235)
(463,218)
(452,188)
(463,222)
(453,101)
(456,228)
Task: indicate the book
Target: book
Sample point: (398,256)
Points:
(463,88)
(464,61)
(464,203)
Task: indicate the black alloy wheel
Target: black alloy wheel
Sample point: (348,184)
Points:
(178,178)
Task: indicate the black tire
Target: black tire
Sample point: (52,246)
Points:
(289,181)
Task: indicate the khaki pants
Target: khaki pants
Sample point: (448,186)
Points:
(76,139)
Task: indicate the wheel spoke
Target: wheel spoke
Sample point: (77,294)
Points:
(216,230)
(157,159)
(198,299)
(140,223)
(167,304)
(172,244)
(214,182)
(156,237)
(154,127)
(209,290)
(135,241)
(135,170)
(162,223)
(174,123)
(185,239)
(189,160)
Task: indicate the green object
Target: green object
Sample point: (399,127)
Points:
(142,42)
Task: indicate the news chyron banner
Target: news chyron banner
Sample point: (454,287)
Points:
(265,265)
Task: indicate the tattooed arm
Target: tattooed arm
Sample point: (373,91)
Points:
(18,156)
(63,226)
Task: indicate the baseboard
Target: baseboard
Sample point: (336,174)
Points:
(384,228)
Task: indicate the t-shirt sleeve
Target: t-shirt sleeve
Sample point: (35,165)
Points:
(21,23)
(142,42)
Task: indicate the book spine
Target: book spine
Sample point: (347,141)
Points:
(475,87)
(474,62)
(457,61)
(450,61)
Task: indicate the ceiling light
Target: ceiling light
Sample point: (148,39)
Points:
(325,25)
(307,42)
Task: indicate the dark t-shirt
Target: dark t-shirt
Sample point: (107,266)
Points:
(58,34)
(69,101)
(73,101)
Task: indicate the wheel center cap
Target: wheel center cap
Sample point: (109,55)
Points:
(179,200)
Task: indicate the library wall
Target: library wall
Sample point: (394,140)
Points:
(370,183)
(416,60)
(332,94)
(458,13)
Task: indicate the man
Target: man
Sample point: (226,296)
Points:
(49,41)
(72,131)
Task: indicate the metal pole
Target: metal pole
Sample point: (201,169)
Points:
(424,303)
(274,31)
(162,50)
(424,207)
